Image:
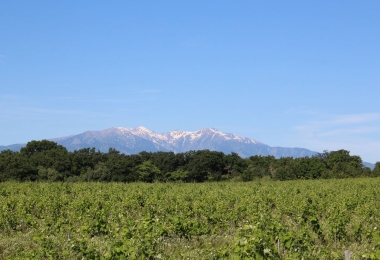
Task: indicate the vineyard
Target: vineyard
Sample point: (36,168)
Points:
(222,220)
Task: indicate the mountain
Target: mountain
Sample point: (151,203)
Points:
(369,165)
(135,140)
(12,147)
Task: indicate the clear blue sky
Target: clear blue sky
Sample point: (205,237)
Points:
(286,73)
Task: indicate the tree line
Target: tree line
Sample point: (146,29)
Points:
(47,161)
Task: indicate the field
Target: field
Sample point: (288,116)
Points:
(225,220)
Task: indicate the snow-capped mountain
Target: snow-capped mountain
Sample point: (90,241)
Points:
(135,140)
(179,141)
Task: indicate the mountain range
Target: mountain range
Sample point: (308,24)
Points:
(135,140)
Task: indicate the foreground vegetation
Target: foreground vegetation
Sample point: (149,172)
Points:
(221,220)
(48,161)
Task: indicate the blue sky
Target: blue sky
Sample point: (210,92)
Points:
(290,73)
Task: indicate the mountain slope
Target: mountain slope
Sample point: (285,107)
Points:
(123,141)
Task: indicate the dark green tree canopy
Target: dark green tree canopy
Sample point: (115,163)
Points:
(47,161)
(40,146)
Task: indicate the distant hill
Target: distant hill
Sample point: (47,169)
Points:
(369,165)
(12,147)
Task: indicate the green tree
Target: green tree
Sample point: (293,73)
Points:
(39,146)
(165,161)
(343,165)
(148,172)
(309,168)
(14,166)
(285,169)
(49,174)
(262,165)
(234,164)
(48,155)
(205,165)
(253,172)
(83,159)
(178,175)
(122,166)
(376,170)
(100,173)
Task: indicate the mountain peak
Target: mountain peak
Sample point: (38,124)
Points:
(142,128)
(208,130)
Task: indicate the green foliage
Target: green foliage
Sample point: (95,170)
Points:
(343,165)
(122,167)
(234,164)
(47,161)
(253,172)
(40,146)
(376,170)
(100,173)
(203,165)
(147,172)
(316,219)
(178,175)
(49,174)
(83,159)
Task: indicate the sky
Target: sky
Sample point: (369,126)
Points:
(286,73)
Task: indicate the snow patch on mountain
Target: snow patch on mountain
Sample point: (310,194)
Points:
(176,135)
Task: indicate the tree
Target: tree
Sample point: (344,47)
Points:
(205,165)
(5,159)
(39,146)
(343,165)
(376,170)
(14,166)
(285,169)
(48,155)
(260,166)
(165,161)
(100,173)
(253,172)
(83,159)
(179,175)
(122,167)
(49,174)
(234,164)
(147,172)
